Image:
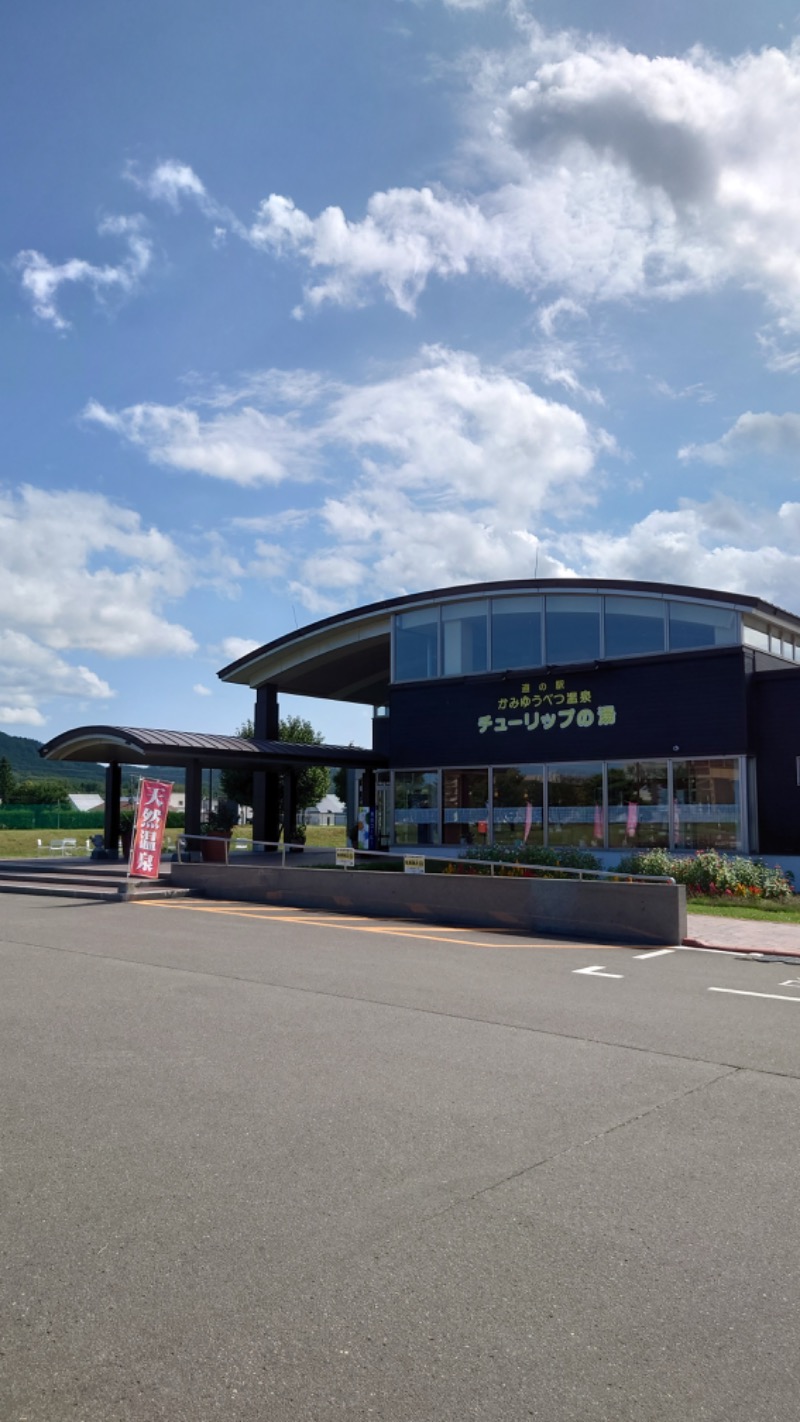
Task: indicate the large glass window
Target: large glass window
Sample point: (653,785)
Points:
(706,809)
(416,807)
(516,632)
(416,644)
(573,628)
(693,625)
(464,637)
(755,633)
(465,797)
(638,804)
(634,625)
(575,805)
(518,797)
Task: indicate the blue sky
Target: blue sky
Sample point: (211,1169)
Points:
(308,305)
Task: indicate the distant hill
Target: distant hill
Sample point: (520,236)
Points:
(22,754)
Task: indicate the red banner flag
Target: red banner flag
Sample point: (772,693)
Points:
(151,818)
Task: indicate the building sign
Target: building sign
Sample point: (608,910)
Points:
(151,819)
(547,706)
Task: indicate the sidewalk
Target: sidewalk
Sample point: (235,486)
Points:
(743,935)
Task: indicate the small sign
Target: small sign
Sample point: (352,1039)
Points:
(345,858)
(413,864)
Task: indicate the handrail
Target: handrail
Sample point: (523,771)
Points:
(281,846)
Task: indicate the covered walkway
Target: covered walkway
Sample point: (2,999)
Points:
(270,759)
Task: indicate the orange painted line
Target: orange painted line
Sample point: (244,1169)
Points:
(355,926)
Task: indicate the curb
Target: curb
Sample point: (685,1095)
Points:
(790,953)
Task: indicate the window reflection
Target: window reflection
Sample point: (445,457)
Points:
(416,807)
(465,796)
(575,805)
(464,638)
(416,644)
(517,798)
(693,625)
(706,808)
(638,804)
(516,632)
(633,625)
(572,628)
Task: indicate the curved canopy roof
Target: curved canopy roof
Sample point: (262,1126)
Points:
(132,745)
(347,657)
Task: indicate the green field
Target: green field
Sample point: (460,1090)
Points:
(23,844)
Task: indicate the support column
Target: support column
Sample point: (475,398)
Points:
(266,784)
(194,796)
(289,805)
(111,815)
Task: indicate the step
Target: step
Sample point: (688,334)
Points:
(76,877)
(59,891)
(76,888)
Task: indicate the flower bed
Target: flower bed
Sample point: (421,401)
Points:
(709,874)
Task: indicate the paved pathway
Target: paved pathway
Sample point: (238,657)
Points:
(743,935)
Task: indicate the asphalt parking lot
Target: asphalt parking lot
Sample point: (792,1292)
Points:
(264,1164)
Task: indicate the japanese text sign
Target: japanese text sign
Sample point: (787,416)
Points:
(548,708)
(150,821)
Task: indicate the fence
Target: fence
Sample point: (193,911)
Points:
(191,848)
(49,817)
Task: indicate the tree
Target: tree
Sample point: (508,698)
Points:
(312,782)
(7,781)
(39,792)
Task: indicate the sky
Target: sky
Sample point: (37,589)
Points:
(305,305)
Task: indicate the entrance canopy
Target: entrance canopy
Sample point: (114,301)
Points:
(194,752)
(130,745)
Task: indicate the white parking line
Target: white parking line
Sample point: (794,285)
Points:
(597,972)
(739,992)
(654,953)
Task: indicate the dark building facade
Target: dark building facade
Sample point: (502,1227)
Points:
(614,715)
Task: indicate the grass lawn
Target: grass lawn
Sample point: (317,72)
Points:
(767,911)
(22,844)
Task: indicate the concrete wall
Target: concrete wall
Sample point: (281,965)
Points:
(632,913)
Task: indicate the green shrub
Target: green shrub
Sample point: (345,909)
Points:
(711,874)
(520,856)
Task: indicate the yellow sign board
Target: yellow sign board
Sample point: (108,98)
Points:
(345,858)
(413,864)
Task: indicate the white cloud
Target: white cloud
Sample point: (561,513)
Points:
(31,674)
(452,428)
(611,175)
(232,648)
(445,425)
(772,437)
(720,544)
(77,570)
(200,690)
(246,447)
(41,278)
(175,183)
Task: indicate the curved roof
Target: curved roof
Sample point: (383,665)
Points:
(347,657)
(134,746)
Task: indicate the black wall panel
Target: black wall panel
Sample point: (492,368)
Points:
(776,721)
(692,705)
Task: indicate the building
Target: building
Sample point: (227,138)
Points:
(615,715)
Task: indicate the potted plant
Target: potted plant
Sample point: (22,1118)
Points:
(216,829)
